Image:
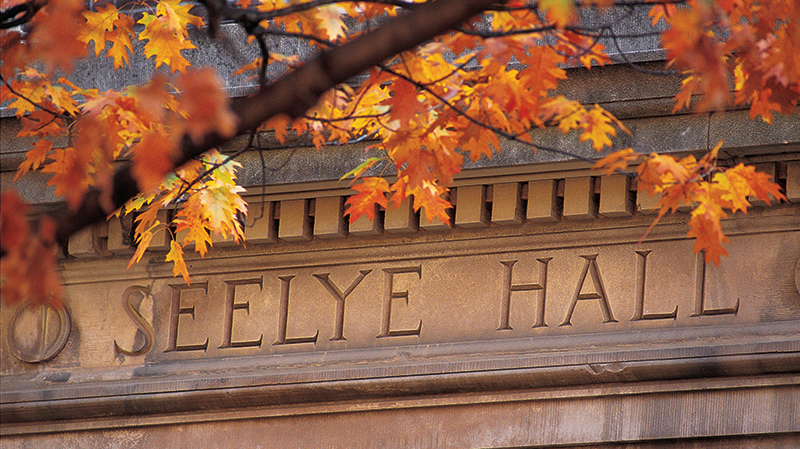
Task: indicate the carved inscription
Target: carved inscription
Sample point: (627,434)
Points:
(700,292)
(38,333)
(528,290)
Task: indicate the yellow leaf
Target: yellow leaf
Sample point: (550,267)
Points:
(559,12)
(144,240)
(597,128)
(98,23)
(175,255)
(706,229)
(617,161)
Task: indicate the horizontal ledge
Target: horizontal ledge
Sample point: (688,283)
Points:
(402,372)
(428,245)
(700,389)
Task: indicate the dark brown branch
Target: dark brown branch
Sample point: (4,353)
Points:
(19,14)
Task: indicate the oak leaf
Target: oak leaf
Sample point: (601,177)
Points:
(152,159)
(206,105)
(54,37)
(559,12)
(175,255)
(371,191)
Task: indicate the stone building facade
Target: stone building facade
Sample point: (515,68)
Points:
(535,320)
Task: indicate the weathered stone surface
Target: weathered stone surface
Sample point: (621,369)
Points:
(793,181)
(736,130)
(507,205)
(401,220)
(329,221)
(473,337)
(529,331)
(295,223)
(82,244)
(364,226)
(471,209)
(542,200)
(260,225)
(616,199)
(580,202)
(751,413)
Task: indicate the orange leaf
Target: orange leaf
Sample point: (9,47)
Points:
(120,37)
(706,229)
(371,191)
(431,197)
(617,161)
(141,247)
(98,23)
(14,229)
(175,255)
(559,12)
(597,127)
(758,182)
(404,103)
(34,158)
(152,159)
(54,34)
(206,105)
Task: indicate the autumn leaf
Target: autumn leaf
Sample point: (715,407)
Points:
(121,44)
(371,191)
(28,271)
(405,106)
(166,34)
(35,157)
(54,37)
(175,255)
(142,243)
(427,108)
(693,47)
(732,191)
(431,197)
(179,15)
(14,54)
(659,170)
(559,12)
(757,183)
(152,159)
(617,161)
(14,229)
(196,234)
(707,231)
(597,127)
(98,23)
(206,105)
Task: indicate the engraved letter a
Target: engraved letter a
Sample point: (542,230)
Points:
(600,292)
